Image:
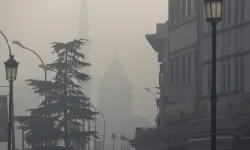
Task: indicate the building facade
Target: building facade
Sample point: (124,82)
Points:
(187,78)
(182,52)
(159,42)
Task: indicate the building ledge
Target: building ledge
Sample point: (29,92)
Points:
(158,40)
(157,43)
(197,128)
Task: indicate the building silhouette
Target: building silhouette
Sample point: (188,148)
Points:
(115,100)
(188,66)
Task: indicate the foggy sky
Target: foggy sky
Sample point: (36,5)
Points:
(120,23)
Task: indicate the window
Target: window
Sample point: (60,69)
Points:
(188,7)
(223,77)
(193,6)
(174,10)
(232,74)
(241,74)
(171,10)
(209,79)
(1,133)
(204,80)
(171,70)
(236,12)
(177,70)
(242,10)
(227,76)
(229,11)
(183,8)
(189,67)
(177,10)
(184,68)
(236,74)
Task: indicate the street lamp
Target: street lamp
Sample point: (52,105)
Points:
(104,126)
(113,136)
(156,98)
(213,10)
(11,72)
(122,138)
(18,43)
(11,129)
(11,68)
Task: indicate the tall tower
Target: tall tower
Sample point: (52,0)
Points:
(83,33)
(115,99)
(83,20)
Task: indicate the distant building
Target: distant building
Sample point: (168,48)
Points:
(188,73)
(159,42)
(115,94)
(115,99)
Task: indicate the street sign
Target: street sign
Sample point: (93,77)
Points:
(3,118)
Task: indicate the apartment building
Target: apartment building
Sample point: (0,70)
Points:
(232,60)
(181,59)
(188,75)
(159,42)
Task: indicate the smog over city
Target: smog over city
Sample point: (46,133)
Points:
(124,74)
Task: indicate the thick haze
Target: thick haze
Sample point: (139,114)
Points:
(113,23)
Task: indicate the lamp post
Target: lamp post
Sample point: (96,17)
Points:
(11,129)
(95,127)
(125,141)
(11,72)
(104,125)
(122,138)
(95,124)
(213,10)
(104,128)
(113,136)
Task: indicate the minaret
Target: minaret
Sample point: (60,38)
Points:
(83,20)
(83,33)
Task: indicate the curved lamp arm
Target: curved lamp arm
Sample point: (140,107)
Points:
(44,67)
(148,90)
(10,53)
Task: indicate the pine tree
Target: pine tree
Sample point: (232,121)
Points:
(66,105)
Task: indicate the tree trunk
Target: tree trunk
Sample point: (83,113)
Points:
(66,128)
